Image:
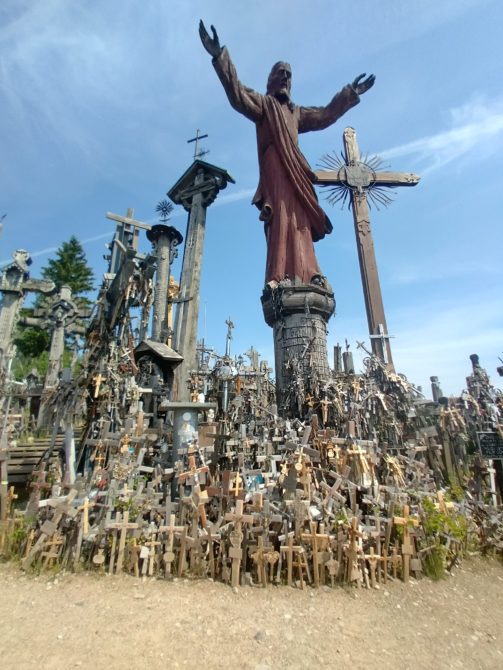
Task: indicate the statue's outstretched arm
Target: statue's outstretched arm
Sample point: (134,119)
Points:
(212,46)
(244,100)
(318,118)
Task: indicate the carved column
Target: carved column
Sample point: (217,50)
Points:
(195,190)
(298,314)
(165,239)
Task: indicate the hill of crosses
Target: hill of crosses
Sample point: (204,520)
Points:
(152,454)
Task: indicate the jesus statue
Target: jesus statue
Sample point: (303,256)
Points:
(289,208)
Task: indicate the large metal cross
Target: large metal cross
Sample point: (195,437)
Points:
(358,178)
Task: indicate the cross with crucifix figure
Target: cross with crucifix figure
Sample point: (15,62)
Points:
(361,181)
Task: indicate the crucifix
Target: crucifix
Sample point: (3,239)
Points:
(360,180)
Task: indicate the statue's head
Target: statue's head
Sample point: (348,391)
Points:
(280,81)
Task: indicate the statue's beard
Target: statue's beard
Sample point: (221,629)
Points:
(283,96)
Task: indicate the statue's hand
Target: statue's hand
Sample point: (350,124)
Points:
(212,46)
(360,86)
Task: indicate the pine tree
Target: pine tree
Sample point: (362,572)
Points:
(70,268)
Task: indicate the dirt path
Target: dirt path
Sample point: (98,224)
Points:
(90,621)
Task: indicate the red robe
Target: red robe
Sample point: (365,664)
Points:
(285,195)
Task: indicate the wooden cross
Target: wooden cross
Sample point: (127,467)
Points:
(152,544)
(63,506)
(193,471)
(324,404)
(258,558)
(37,485)
(212,536)
(359,178)
(376,534)
(127,235)
(53,549)
(169,555)
(332,565)
(123,525)
(134,551)
(407,549)
(301,563)
(352,572)
(237,490)
(85,515)
(373,559)
(319,542)
(235,551)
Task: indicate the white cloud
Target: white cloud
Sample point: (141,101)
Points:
(437,339)
(440,268)
(476,129)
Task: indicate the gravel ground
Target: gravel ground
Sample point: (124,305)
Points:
(93,621)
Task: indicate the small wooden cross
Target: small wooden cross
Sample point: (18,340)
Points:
(85,515)
(301,563)
(333,568)
(238,518)
(373,559)
(258,558)
(123,525)
(352,571)
(53,549)
(324,404)
(237,490)
(169,555)
(406,522)
(319,543)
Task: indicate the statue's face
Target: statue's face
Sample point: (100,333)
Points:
(280,81)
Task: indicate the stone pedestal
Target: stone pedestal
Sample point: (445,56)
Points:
(298,315)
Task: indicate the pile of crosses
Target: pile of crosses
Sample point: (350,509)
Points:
(321,501)
(347,491)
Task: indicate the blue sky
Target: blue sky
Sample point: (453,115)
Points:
(97,101)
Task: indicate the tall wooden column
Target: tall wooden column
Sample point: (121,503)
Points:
(195,190)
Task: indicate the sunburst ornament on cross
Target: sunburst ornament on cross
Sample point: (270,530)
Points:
(359,176)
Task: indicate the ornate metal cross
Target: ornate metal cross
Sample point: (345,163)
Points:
(198,152)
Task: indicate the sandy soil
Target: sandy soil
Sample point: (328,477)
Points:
(93,621)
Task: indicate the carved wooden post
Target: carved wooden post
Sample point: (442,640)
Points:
(195,190)
(359,179)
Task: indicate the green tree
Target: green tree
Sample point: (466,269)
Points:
(70,268)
